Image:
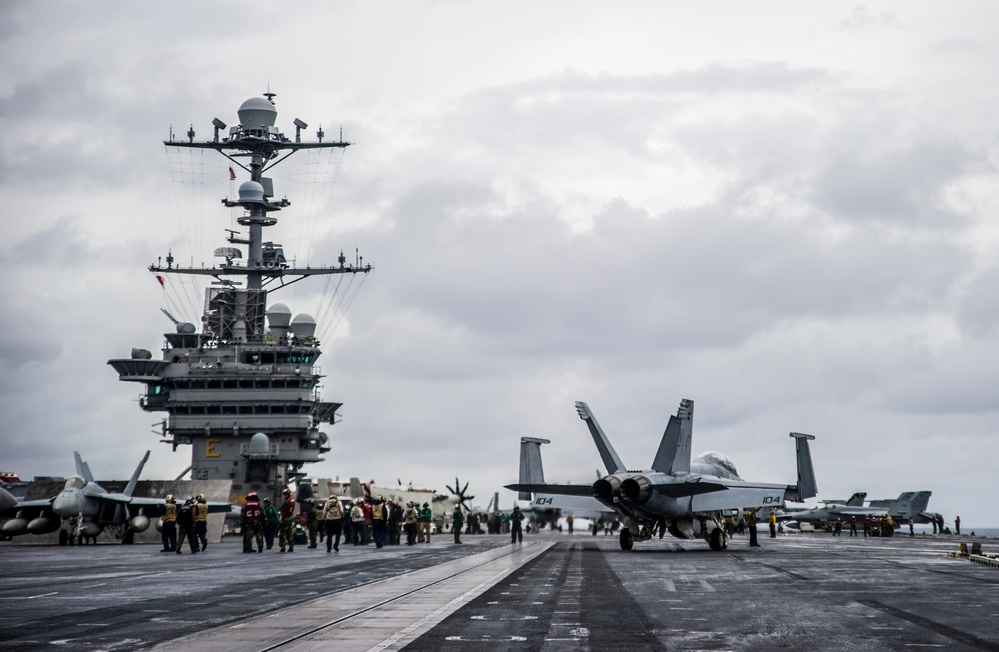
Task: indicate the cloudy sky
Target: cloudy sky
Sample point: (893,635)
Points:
(785,211)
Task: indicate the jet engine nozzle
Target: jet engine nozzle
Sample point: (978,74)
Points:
(139,524)
(605,489)
(636,489)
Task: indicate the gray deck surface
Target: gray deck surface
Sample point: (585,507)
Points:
(554,592)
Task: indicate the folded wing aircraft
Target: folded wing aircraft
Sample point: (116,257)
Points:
(85,508)
(684,497)
(909,504)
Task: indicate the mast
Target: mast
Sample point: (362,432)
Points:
(262,146)
(243,392)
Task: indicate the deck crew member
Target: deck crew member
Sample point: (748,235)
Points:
(516,525)
(394,521)
(457,522)
(773,525)
(378,521)
(312,521)
(333,519)
(411,519)
(286,534)
(426,516)
(272,520)
(201,520)
(252,517)
(358,534)
(185,526)
(751,522)
(169,524)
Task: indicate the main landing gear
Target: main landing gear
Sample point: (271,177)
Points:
(718,540)
(626,540)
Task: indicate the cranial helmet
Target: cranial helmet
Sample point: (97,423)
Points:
(286,491)
(201,498)
(169,498)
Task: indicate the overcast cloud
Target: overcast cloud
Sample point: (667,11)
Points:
(785,212)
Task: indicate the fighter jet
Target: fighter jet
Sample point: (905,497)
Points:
(908,504)
(84,508)
(686,498)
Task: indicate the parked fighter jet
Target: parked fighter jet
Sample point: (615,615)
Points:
(908,504)
(687,498)
(84,508)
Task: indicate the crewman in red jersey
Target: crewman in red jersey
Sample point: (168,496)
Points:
(252,516)
(287,527)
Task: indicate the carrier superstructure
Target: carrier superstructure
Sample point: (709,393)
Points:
(242,389)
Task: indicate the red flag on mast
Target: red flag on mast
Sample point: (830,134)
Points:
(232,174)
(160,279)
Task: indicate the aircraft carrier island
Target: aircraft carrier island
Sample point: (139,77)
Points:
(241,388)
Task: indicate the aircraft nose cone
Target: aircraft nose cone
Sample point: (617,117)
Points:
(66,504)
(7,500)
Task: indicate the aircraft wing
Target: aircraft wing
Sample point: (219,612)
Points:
(574,499)
(685,489)
(739,495)
(557,489)
(30,504)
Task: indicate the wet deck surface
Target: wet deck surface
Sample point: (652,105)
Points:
(554,592)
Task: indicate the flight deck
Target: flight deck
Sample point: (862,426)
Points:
(553,592)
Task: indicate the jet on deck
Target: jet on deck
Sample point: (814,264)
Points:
(684,497)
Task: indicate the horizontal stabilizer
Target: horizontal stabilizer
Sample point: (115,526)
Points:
(557,489)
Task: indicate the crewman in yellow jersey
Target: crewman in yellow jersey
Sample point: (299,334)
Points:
(201,520)
(169,530)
